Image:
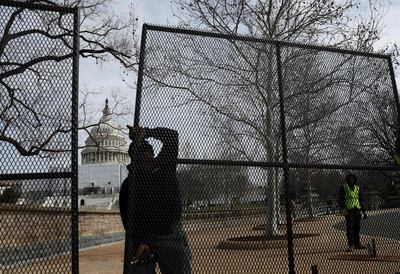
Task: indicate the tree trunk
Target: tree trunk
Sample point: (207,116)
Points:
(271,179)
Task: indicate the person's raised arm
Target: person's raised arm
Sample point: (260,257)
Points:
(168,156)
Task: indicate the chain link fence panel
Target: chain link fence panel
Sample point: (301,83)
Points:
(267,133)
(38,138)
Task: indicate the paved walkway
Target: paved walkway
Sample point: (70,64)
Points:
(207,259)
(107,259)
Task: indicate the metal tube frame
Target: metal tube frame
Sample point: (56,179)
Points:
(74,144)
(140,75)
(73,174)
(129,253)
(289,221)
(260,40)
(37,6)
(285,164)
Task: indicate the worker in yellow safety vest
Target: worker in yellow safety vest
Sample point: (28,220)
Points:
(351,204)
(397,146)
(397,158)
(397,149)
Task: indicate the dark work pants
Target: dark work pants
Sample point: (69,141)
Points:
(353,220)
(172,253)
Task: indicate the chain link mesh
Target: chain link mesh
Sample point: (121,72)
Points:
(210,89)
(36,131)
(221,94)
(317,211)
(339,108)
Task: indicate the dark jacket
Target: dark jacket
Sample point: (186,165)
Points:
(154,197)
(342,198)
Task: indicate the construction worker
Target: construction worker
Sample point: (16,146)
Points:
(397,149)
(352,206)
(397,158)
(150,206)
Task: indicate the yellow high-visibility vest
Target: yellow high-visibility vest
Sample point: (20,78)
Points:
(352,197)
(397,158)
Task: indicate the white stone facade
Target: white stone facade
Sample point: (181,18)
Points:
(102,175)
(105,155)
(106,142)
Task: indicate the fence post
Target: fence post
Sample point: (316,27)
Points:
(74,154)
(139,84)
(288,204)
(130,248)
(397,102)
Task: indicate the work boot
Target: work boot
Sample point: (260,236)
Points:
(350,248)
(360,246)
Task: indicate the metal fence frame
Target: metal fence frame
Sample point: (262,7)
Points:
(73,175)
(284,164)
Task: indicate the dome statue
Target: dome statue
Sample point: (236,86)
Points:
(106,142)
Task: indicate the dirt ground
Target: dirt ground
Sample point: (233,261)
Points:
(204,237)
(206,258)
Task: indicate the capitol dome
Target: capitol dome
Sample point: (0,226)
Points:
(106,142)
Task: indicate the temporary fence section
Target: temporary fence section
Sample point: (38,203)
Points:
(38,138)
(268,131)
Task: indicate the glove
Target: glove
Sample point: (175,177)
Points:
(143,256)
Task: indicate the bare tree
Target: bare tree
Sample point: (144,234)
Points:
(243,75)
(201,184)
(233,180)
(345,23)
(328,97)
(36,51)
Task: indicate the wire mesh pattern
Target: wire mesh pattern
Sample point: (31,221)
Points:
(339,108)
(316,210)
(36,226)
(268,128)
(35,69)
(38,84)
(227,218)
(225,88)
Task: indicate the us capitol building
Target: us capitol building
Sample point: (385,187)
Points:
(104,157)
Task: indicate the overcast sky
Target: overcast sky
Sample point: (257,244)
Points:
(108,76)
